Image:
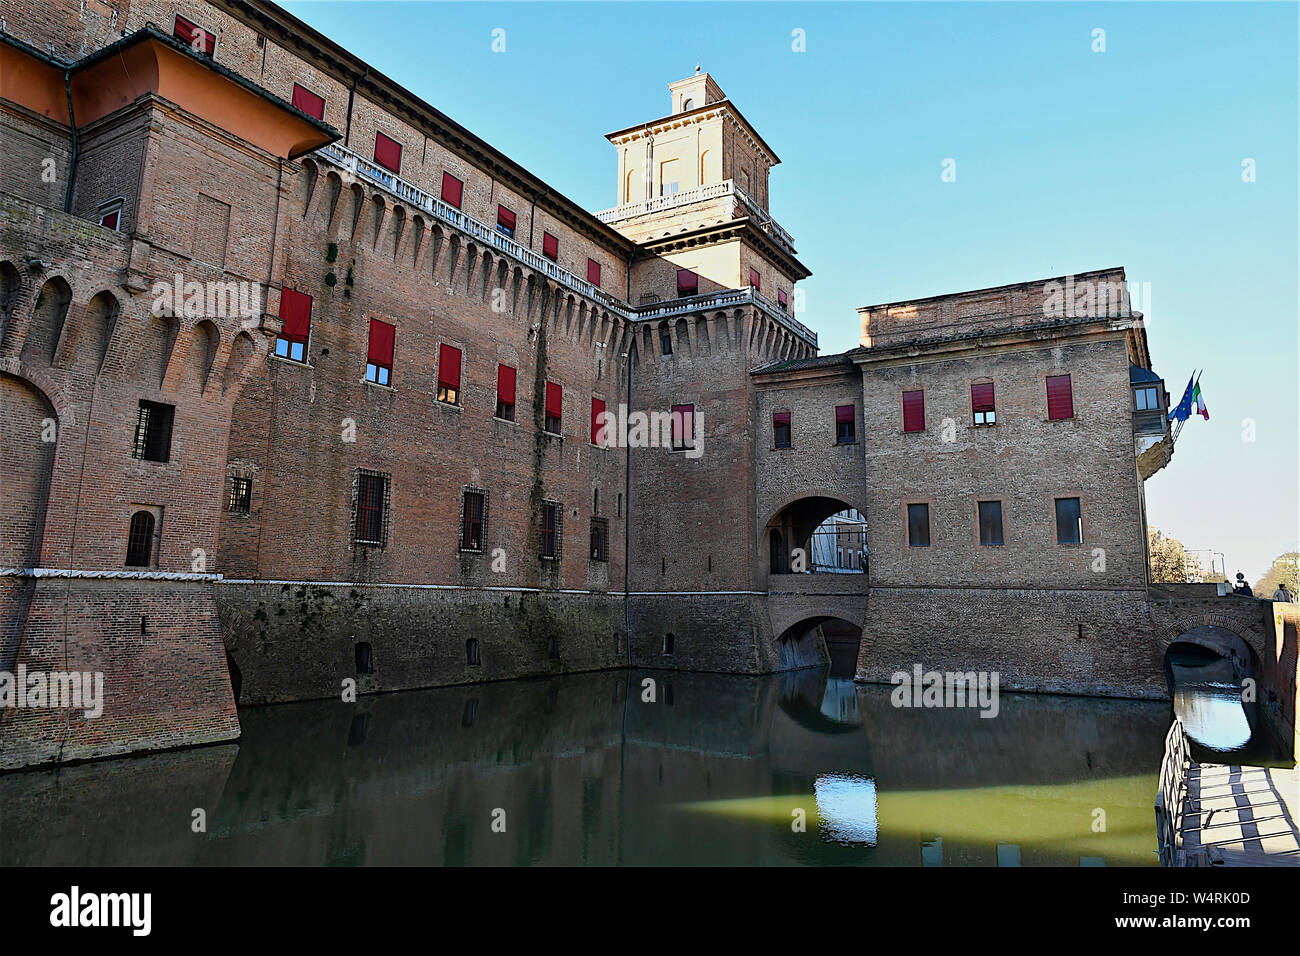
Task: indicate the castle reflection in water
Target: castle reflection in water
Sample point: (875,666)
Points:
(716,770)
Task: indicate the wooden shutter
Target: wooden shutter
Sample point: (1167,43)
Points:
(295,313)
(449,367)
(505,218)
(505,384)
(981,397)
(597,427)
(755,280)
(550,246)
(381,343)
(453,190)
(1060,398)
(388,153)
(688,283)
(554,400)
(914,411)
(844,413)
(188,32)
(307,101)
(593,272)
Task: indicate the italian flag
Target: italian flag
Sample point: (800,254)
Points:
(1199,401)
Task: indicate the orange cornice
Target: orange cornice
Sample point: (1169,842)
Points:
(146,63)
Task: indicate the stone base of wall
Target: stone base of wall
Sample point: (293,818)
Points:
(1094,643)
(299,641)
(721,633)
(158,646)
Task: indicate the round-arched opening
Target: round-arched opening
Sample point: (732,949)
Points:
(1212,674)
(817,535)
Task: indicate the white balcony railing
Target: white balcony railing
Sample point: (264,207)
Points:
(352,163)
(728,187)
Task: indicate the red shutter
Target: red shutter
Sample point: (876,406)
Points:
(307,101)
(187,32)
(780,418)
(1060,398)
(295,313)
(598,428)
(593,272)
(755,279)
(913,411)
(843,413)
(381,343)
(781,298)
(683,425)
(688,283)
(452,190)
(550,246)
(505,218)
(554,400)
(449,367)
(981,397)
(505,384)
(388,153)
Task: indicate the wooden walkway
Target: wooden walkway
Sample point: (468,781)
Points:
(1241,816)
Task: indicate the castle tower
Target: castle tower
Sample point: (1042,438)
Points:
(693,193)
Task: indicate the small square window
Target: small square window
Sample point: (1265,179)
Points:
(153,432)
(781,429)
(600,539)
(1069,521)
(918,526)
(240,499)
(370,508)
(990,517)
(550,530)
(473,519)
(110,215)
(378,374)
(845,424)
(1147,398)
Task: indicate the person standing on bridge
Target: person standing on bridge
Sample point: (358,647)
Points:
(1242,587)
(1282,594)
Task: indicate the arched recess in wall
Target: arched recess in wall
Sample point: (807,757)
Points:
(92,342)
(28,419)
(204,340)
(11,287)
(241,353)
(627,189)
(305,185)
(704,167)
(155,349)
(48,316)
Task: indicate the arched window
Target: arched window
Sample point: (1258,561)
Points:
(139,541)
(688,104)
(669,641)
(471,652)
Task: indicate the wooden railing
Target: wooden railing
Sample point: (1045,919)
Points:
(1172,796)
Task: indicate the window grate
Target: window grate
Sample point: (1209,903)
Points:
(370,511)
(139,540)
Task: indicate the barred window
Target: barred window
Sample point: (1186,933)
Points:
(153,432)
(139,540)
(473,519)
(240,499)
(552,521)
(599,539)
(370,508)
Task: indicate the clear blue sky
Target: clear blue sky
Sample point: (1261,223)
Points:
(1067,160)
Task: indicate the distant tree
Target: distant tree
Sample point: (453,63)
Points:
(1167,558)
(1283,571)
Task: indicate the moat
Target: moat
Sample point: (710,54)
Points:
(587,772)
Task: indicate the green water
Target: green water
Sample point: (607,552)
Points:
(581,770)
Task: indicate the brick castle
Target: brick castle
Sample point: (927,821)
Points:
(303,383)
